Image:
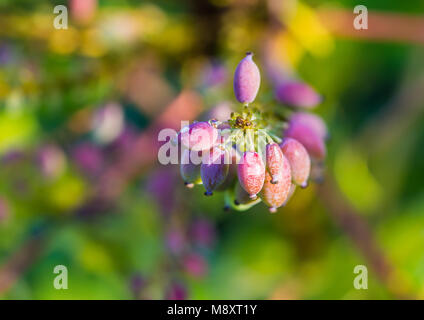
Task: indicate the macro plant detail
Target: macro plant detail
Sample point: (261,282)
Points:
(262,152)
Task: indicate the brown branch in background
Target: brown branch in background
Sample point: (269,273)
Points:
(391,27)
(20,261)
(361,235)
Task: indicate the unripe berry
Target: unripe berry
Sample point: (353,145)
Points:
(232,171)
(241,196)
(312,121)
(198,136)
(297,94)
(190,172)
(299,160)
(275,195)
(251,173)
(214,169)
(274,157)
(247,80)
(309,138)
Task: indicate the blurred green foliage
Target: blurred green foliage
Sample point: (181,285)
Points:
(140,55)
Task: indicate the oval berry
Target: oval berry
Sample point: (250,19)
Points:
(251,173)
(308,137)
(247,80)
(274,157)
(232,171)
(189,170)
(312,121)
(198,136)
(275,195)
(297,94)
(300,162)
(214,169)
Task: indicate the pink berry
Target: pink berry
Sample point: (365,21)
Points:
(274,157)
(251,173)
(198,136)
(291,192)
(274,195)
(308,137)
(299,160)
(247,80)
(190,172)
(297,94)
(214,169)
(311,120)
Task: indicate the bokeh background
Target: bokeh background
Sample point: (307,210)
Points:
(80,184)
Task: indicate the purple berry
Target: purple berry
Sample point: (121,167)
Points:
(247,80)
(214,169)
(297,94)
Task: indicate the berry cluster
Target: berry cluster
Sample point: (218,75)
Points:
(244,155)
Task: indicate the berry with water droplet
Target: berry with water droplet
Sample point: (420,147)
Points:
(251,173)
(274,195)
(214,169)
(299,160)
(247,80)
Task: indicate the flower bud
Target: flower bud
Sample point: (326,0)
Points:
(214,169)
(190,172)
(299,160)
(297,94)
(251,173)
(274,195)
(274,157)
(308,137)
(247,79)
(198,136)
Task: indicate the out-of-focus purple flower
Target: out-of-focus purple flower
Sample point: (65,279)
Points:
(137,283)
(125,140)
(175,241)
(176,291)
(202,232)
(297,94)
(88,157)
(195,265)
(161,185)
(51,161)
(13,156)
(214,74)
(108,122)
